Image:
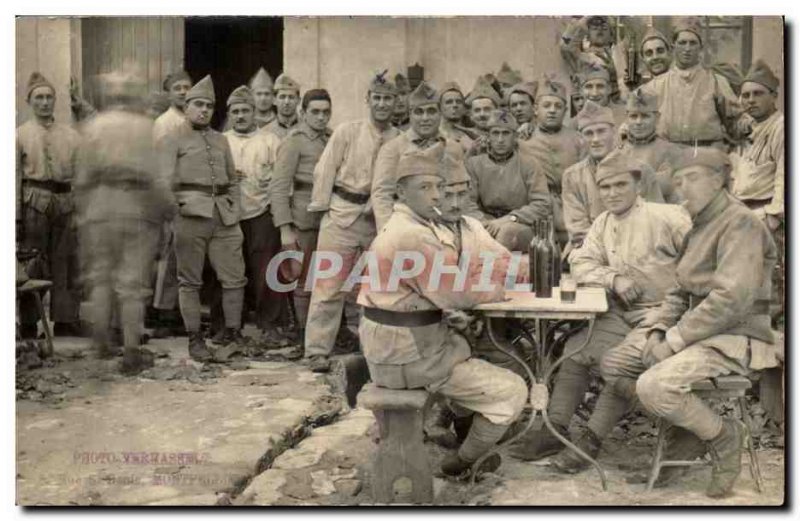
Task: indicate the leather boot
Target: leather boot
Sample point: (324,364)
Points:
(437,428)
(135,360)
(482,437)
(569,462)
(461,425)
(319,364)
(726,458)
(682,444)
(539,444)
(198,349)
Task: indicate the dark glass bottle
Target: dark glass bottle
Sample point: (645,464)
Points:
(544,264)
(556,250)
(532,271)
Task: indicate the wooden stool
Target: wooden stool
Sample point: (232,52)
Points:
(401,472)
(722,387)
(39,288)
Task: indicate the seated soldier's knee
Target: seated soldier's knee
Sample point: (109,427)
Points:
(519,394)
(656,394)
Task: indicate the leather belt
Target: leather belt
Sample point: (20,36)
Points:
(404,318)
(755,204)
(207,189)
(496,212)
(302,185)
(701,142)
(57,187)
(760,306)
(351,196)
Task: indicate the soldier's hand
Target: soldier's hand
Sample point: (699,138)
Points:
(288,237)
(458,320)
(656,353)
(493,226)
(772,222)
(626,289)
(525,131)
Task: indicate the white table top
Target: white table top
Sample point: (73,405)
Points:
(589,302)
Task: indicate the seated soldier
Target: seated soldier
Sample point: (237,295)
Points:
(631,250)
(508,194)
(713,321)
(406,341)
(580,197)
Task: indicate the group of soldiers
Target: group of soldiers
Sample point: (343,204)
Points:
(669,196)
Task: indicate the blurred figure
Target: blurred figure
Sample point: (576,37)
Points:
(401,118)
(121,203)
(46,153)
(157,104)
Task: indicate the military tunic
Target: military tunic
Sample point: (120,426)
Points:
(714,317)
(280,129)
(656,152)
(342,184)
(168,122)
(45,167)
(433,356)
(456,133)
(292,180)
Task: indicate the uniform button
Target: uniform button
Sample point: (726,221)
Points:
(208,147)
(211,163)
(213,177)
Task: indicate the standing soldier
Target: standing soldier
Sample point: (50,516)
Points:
(198,160)
(292,181)
(45,164)
(521,100)
(342,184)
(453,108)
(697,105)
(759,164)
(508,193)
(261,86)
(400,118)
(407,343)
(582,202)
(122,203)
(596,86)
(656,52)
(287,96)
(481,101)
(644,145)
(254,155)
(176,85)
(424,133)
(506,78)
(599,35)
(713,322)
(553,145)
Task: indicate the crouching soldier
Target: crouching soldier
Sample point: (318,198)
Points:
(713,322)
(406,341)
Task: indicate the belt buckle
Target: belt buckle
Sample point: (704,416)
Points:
(213,190)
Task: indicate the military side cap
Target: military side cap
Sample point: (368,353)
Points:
(424,94)
(401,83)
(653,34)
(762,74)
(241,94)
(429,161)
(284,82)
(639,101)
(551,87)
(380,84)
(38,80)
(121,84)
(597,20)
(451,85)
(710,157)
(503,119)
(592,71)
(202,89)
(483,89)
(454,170)
(592,113)
(526,87)
(618,162)
(176,76)
(508,76)
(262,80)
(690,24)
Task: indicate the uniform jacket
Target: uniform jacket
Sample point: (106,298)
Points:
(168,122)
(725,267)
(581,198)
(201,157)
(515,187)
(118,175)
(384,181)
(656,153)
(403,357)
(759,170)
(279,129)
(348,162)
(644,245)
(254,156)
(450,131)
(45,153)
(293,177)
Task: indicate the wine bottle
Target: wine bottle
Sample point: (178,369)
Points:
(532,256)
(556,250)
(544,264)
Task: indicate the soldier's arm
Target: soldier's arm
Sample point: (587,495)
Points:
(328,166)
(589,263)
(776,144)
(384,179)
(282,179)
(576,216)
(472,208)
(735,286)
(538,206)
(230,170)
(675,304)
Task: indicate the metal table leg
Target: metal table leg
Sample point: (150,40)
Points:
(546,418)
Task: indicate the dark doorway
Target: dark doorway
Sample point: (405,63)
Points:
(231,49)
